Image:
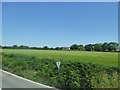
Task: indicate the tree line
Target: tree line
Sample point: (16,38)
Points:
(110,47)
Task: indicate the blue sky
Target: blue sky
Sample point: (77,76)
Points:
(59,24)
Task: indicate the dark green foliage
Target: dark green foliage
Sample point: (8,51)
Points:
(71,75)
(112,46)
(45,48)
(98,47)
(105,46)
(89,47)
(58,48)
(80,47)
(74,47)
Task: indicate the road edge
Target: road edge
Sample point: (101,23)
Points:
(27,79)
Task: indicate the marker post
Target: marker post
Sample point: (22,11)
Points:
(58,65)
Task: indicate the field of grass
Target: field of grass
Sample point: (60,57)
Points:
(104,58)
(79,69)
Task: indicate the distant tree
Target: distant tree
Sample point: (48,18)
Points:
(24,47)
(21,46)
(89,47)
(14,46)
(34,48)
(105,46)
(45,48)
(51,48)
(80,47)
(0,46)
(4,47)
(58,48)
(74,47)
(98,47)
(112,46)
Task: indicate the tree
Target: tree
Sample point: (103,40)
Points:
(89,47)
(45,48)
(15,46)
(80,47)
(51,48)
(74,47)
(112,46)
(58,48)
(98,47)
(34,48)
(23,47)
(105,46)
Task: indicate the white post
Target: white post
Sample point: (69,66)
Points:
(58,65)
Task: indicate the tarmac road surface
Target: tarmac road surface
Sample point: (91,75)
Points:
(10,80)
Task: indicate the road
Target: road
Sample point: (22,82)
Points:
(12,81)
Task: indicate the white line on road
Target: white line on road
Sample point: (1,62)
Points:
(26,79)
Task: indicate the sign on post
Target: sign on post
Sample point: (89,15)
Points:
(58,65)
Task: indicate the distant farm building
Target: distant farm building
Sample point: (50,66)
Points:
(65,48)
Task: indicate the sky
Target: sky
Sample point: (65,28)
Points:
(59,24)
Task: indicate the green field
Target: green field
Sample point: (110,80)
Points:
(79,69)
(104,58)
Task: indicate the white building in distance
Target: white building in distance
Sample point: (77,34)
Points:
(66,48)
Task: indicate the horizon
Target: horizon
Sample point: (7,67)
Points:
(57,46)
(59,24)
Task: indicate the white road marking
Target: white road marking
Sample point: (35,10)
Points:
(26,79)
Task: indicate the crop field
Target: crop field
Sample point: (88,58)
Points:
(78,69)
(105,58)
